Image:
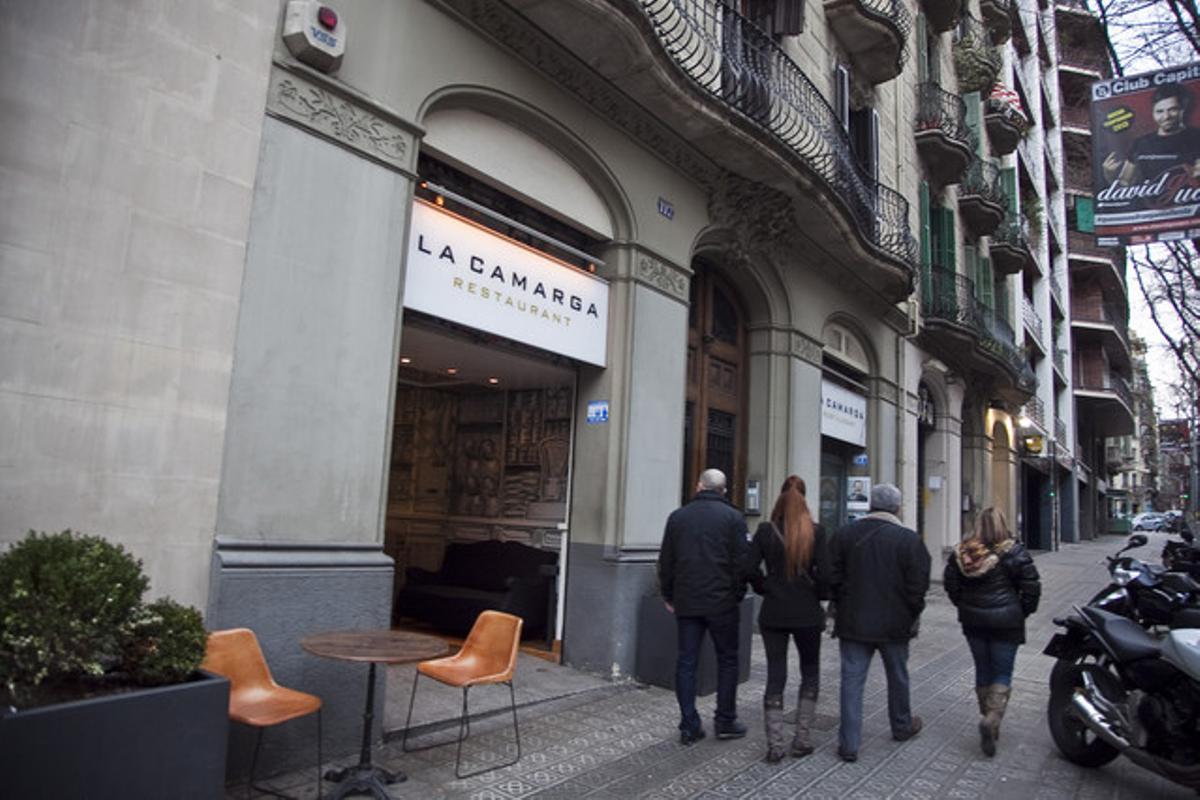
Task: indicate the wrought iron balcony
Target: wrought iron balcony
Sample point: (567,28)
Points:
(981,200)
(977,61)
(745,71)
(1056,295)
(948,299)
(941,15)
(1060,363)
(1010,249)
(1060,432)
(997,16)
(874,32)
(1036,411)
(1006,125)
(1033,322)
(943,138)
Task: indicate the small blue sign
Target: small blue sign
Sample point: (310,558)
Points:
(665,208)
(860,460)
(597,412)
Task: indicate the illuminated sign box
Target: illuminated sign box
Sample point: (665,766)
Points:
(463,272)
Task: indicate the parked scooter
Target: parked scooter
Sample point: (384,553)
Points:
(1182,556)
(1119,690)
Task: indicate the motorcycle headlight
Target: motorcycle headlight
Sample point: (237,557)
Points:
(1122,576)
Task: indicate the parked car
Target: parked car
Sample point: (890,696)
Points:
(1150,521)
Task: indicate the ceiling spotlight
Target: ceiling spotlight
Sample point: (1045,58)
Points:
(1025,421)
(493,380)
(405,360)
(451,370)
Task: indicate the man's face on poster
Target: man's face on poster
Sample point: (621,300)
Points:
(1168,115)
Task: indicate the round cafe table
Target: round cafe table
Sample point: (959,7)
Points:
(373,647)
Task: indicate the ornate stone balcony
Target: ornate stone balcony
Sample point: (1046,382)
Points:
(718,98)
(1006,125)
(997,16)
(981,200)
(969,335)
(874,32)
(1010,248)
(977,60)
(943,139)
(941,15)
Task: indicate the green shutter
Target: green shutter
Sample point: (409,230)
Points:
(926,233)
(975,119)
(988,282)
(1008,180)
(922,50)
(1085,214)
(949,241)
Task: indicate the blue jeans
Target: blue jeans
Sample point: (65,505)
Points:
(723,628)
(856,661)
(994,660)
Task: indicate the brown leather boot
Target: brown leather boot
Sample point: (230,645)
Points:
(805,713)
(989,727)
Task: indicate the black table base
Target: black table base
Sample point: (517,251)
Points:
(363,776)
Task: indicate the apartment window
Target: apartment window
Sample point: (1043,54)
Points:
(864,140)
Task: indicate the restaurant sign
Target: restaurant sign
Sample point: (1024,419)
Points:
(843,414)
(463,272)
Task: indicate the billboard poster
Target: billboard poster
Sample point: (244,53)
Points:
(1146,156)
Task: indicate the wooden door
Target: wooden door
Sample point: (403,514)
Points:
(714,414)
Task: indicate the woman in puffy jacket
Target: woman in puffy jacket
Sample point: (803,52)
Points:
(793,549)
(991,579)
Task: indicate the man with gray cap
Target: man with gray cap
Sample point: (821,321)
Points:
(880,573)
(699,574)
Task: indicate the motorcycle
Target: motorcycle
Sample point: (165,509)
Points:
(1119,690)
(1153,596)
(1182,556)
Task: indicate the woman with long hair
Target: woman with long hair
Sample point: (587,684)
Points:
(991,579)
(793,550)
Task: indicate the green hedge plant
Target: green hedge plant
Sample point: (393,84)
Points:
(72,620)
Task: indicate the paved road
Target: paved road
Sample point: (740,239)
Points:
(621,741)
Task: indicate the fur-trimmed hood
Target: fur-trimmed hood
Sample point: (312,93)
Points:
(974,558)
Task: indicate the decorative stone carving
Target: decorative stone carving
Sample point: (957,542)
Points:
(761,218)
(661,276)
(807,349)
(301,101)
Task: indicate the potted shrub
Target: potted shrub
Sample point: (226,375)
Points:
(100,695)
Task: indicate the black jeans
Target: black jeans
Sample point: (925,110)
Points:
(723,628)
(808,645)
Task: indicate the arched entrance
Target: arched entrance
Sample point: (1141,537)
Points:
(714,421)
(1003,462)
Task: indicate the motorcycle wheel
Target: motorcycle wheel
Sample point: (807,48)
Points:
(1073,738)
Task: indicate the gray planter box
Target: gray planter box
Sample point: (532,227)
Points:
(165,741)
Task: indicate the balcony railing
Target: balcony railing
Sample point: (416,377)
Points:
(1056,289)
(997,15)
(741,67)
(981,198)
(1033,321)
(1010,246)
(943,138)
(1036,411)
(942,15)
(1084,244)
(1060,361)
(1109,382)
(977,61)
(999,340)
(949,296)
(1060,431)
(1114,314)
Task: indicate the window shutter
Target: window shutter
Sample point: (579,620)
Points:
(974,119)
(971,267)
(922,50)
(989,285)
(873,148)
(788,18)
(1085,214)
(1008,180)
(926,232)
(841,95)
(949,243)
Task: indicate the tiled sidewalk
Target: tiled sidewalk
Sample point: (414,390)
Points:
(620,741)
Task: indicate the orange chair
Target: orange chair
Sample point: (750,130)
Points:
(255,698)
(488,656)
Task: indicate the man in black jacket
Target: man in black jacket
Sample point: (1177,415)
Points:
(700,579)
(879,575)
